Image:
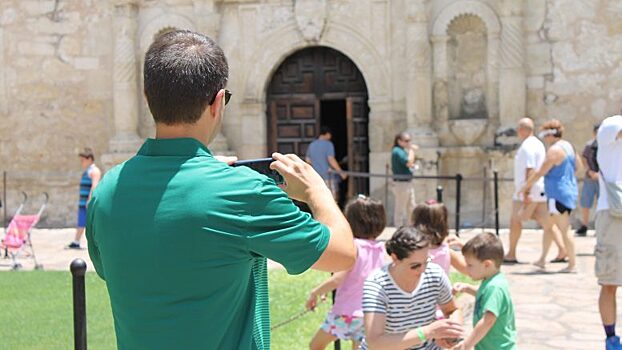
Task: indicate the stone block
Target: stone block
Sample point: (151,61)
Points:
(47,26)
(37,7)
(38,49)
(535,15)
(538,58)
(535,82)
(86,63)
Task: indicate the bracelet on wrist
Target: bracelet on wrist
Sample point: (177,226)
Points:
(421,334)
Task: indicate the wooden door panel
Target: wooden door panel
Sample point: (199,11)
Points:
(292,131)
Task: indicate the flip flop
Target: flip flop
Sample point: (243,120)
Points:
(509,261)
(559,260)
(539,265)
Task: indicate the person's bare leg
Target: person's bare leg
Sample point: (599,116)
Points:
(321,340)
(516,228)
(563,222)
(585,216)
(79,233)
(355,345)
(559,242)
(543,218)
(607,304)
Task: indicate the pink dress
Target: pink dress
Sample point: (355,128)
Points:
(441,256)
(349,296)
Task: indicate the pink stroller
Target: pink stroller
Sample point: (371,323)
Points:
(17,240)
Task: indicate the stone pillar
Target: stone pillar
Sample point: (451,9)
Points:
(440,92)
(125,141)
(419,78)
(493,77)
(512,83)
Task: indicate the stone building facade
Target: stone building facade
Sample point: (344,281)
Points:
(452,72)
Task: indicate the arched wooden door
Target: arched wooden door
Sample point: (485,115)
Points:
(321,86)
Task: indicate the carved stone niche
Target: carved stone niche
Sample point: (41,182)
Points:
(311,18)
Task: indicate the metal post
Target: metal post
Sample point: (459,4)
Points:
(458,200)
(496,187)
(484,194)
(439,194)
(337,343)
(78,269)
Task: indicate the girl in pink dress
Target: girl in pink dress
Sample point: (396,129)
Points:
(345,320)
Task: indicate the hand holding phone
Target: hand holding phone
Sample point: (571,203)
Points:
(262,166)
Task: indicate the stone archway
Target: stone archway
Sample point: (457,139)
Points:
(319,86)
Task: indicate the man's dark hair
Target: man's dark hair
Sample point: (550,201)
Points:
(87,153)
(366,217)
(406,240)
(485,246)
(183,73)
(325,130)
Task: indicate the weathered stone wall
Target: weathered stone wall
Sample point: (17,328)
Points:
(55,97)
(60,61)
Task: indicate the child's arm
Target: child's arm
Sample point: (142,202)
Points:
(458,262)
(479,331)
(329,285)
(460,287)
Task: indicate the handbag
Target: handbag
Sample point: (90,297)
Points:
(614,196)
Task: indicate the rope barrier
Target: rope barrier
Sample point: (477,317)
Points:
(290,320)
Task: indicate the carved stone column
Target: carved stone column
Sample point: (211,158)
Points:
(419,82)
(125,141)
(493,77)
(512,83)
(440,93)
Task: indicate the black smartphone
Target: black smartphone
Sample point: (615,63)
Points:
(262,166)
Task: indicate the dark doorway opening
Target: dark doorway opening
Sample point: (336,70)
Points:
(333,115)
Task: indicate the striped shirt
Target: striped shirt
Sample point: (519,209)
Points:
(406,311)
(85,186)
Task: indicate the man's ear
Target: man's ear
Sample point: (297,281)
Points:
(214,108)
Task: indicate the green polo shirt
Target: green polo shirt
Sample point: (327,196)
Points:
(399,159)
(182,240)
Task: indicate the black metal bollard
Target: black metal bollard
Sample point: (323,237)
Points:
(78,269)
(458,200)
(337,343)
(496,186)
(439,194)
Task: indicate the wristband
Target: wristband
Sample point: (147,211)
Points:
(421,335)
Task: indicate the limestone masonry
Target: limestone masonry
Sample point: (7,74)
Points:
(451,72)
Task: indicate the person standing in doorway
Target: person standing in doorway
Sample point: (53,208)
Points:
(321,156)
(402,161)
(529,158)
(89,180)
(609,225)
(589,192)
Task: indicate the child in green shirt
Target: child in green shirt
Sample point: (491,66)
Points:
(493,316)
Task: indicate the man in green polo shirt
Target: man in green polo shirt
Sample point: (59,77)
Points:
(181,238)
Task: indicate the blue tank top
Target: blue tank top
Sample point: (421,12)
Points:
(85,187)
(560,183)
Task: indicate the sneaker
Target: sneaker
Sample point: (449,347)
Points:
(613,343)
(73,245)
(582,231)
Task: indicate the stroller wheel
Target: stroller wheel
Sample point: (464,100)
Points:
(17,267)
(38,267)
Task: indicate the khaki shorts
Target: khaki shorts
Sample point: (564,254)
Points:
(608,249)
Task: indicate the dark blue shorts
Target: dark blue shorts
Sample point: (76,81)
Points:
(81,216)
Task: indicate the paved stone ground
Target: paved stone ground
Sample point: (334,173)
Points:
(553,311)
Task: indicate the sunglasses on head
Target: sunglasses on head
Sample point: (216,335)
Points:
(417,266)
(227,97)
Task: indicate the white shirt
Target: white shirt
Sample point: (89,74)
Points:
(609,156)
(530,155)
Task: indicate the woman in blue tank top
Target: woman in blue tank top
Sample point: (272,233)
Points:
(560,185)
